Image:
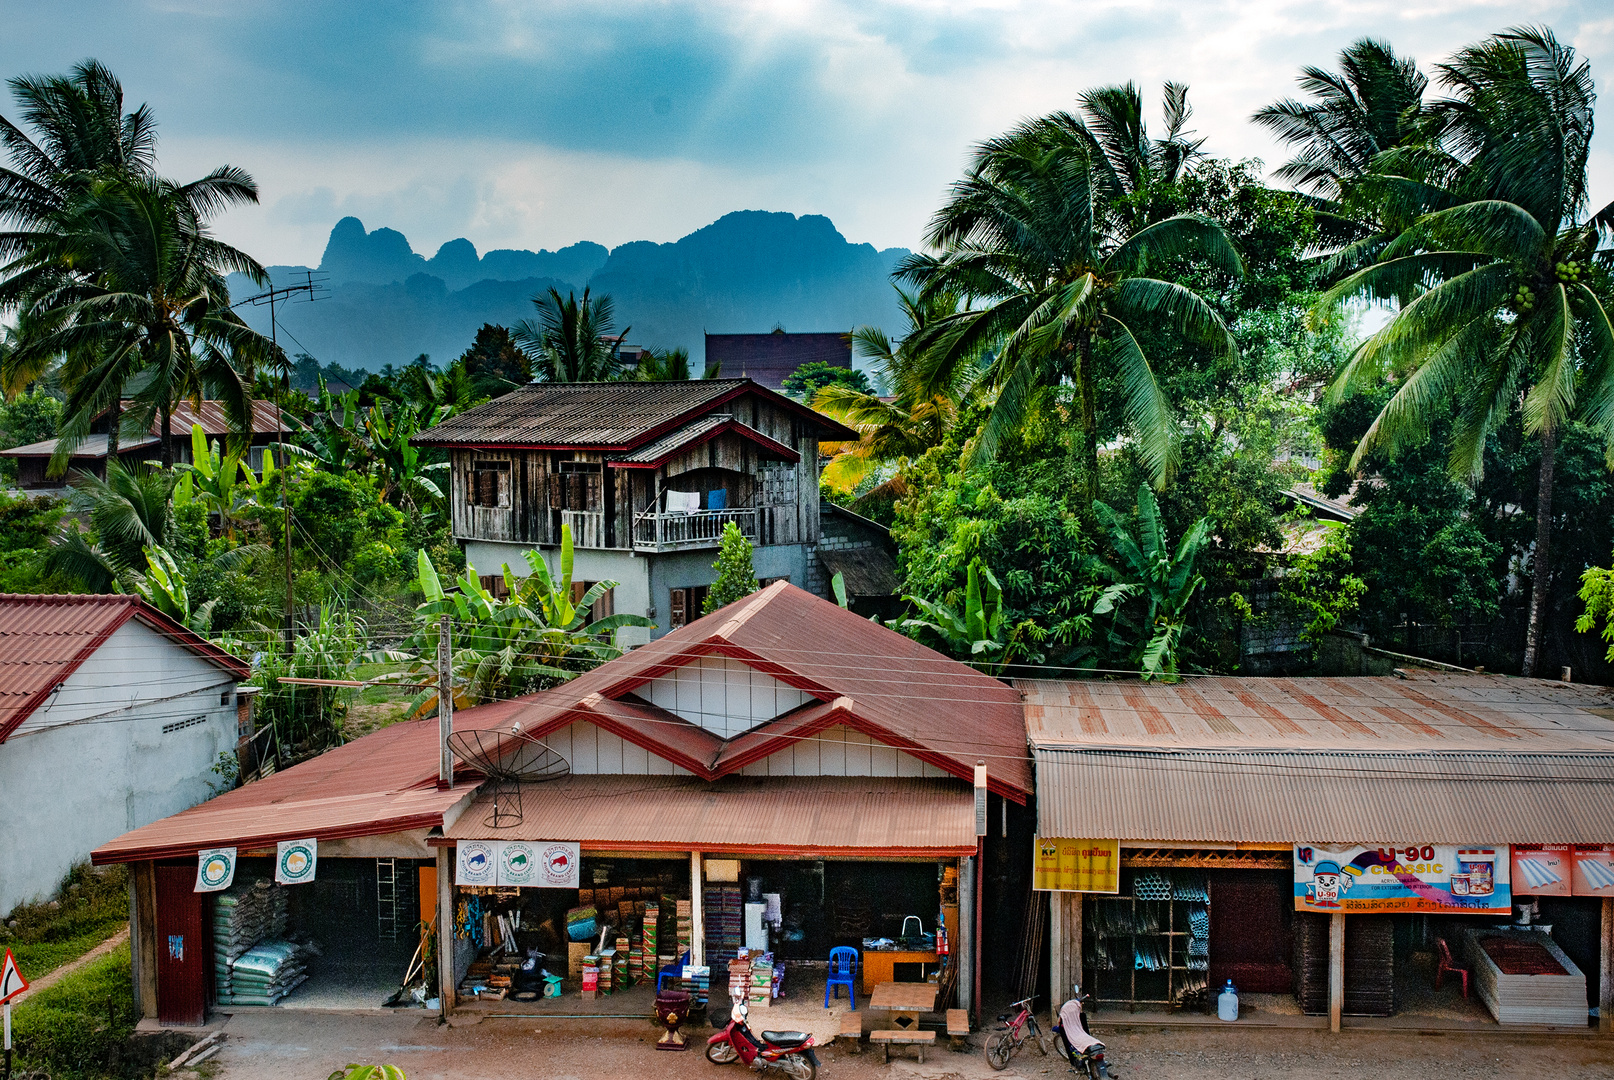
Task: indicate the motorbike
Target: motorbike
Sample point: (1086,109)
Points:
(791,1052)
(1075,1042)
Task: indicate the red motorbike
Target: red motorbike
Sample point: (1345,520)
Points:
(791,1052)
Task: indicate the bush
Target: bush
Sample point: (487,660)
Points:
(82,1026)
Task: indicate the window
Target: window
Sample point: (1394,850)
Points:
(603,607)
(494,583)
(181,725)
(489,484)
(686,605)
(224,698)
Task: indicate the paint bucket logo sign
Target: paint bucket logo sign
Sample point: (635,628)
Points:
(517,865)
(296,861)
(1434,878)
(559,865)
(475,863)
(215,869)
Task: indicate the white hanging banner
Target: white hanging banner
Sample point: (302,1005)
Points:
(517,863)
(559,865)
(296,860)
(476,863)
(215,869)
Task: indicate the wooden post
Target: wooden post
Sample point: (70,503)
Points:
(1065,947)
(143,935)
(445,931)
(697,919)
(965,949)
(445,702)
(1336,969)
(1605,985)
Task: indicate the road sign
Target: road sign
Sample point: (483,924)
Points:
(11,981)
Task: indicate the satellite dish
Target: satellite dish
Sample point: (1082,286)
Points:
(508,759)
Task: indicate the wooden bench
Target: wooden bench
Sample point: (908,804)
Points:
(852,1031)
(916,1039)
(958,1028)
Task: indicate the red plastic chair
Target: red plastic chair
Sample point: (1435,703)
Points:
(1446,964)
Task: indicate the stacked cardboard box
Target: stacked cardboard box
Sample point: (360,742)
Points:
(591,976)
(724,916)
(652,929)
(685,934)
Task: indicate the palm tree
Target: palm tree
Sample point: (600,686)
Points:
(128,513)
(920,411)
(1036,237)
(671,365)
(574,340)
(131,292)
(1501,317)
(1135,164)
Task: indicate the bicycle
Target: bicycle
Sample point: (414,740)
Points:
(1019,1024)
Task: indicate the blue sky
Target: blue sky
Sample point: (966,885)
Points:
(540,124)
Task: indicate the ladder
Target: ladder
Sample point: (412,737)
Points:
(386,899)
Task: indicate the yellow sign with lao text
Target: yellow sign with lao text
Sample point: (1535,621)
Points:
(1065,865)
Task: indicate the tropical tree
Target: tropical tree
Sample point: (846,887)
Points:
(218,480)
(670,365)
(979,631)
(163,586)
(1150,570)
(574,340)
(1502,318)
(403,472)
(736,576)
(128,513)
(923,405)
(1038,235)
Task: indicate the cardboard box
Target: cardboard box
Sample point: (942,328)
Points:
(575,951)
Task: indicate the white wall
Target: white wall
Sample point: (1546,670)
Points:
(632,596)
(841,751)
(94,762)
(592,751)
(726,697)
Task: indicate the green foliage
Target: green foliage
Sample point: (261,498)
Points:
(305,719)
(339,513)
(736,577)
(90,905)
(1320,584)
(573,340)
(810,377)
(368,1072)
(29,417)
(977,632)
(27,526)
(79,1029)
(1150,571)
(493,364)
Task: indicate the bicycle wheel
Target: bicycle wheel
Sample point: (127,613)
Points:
(1042,1040)
(999,1049)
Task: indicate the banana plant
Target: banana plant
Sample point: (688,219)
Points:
(398,462)
(1151,571)
(979,629)
(219,480)
(163,587)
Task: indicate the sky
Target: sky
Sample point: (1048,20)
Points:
(536,125)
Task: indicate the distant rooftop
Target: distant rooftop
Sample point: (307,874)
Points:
(771,358)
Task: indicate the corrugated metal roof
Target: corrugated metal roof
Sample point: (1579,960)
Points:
(1203,796)
(611,415)
(92,446)
(825,816)
(215,424)
(866,571)
(873,679)
(1425,710)
(697,432)
(771,358)
(45,638)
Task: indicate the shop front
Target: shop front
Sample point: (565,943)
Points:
(1205,810)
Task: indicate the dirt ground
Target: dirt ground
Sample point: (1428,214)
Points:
(280,1043)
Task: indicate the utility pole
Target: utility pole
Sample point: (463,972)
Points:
(445,702)
(314,287)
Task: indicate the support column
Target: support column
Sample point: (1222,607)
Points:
(445,930)
(1605,985)
(1064,946)
(966,934)
(143,936)
(1336,969)
(697,918)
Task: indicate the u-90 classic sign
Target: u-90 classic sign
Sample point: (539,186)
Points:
(1435,878)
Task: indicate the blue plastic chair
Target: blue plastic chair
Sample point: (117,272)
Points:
(673,971)
(842,972)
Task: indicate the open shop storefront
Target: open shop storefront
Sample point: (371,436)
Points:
(740,882)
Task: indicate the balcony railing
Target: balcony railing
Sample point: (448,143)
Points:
(656,531)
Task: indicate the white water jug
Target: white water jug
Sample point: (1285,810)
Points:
(1227,1002)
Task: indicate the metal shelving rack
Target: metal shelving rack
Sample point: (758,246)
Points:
(1112,941)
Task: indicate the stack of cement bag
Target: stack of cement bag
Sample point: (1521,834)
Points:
(268,972)
(244,915)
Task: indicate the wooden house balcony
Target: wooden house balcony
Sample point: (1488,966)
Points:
(694,529)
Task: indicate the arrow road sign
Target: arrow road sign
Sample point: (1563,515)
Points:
(11,981)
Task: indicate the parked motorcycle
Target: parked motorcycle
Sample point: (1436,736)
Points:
(1076,1043)
(791,1052)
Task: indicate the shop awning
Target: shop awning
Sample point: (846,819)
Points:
(811,817)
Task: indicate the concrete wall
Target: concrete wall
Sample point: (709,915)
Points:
(96,762)
(681,569)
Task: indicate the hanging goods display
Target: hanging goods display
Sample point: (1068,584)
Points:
(296,861)
(215,869)
(1431,878)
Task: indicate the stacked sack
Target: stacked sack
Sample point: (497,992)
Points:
(268,972)
(243,915)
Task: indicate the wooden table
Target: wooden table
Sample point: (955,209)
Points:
(899,1004)
(879,964)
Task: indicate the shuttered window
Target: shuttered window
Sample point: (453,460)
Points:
(489,484)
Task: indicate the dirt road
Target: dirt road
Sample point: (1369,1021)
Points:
(276,1044)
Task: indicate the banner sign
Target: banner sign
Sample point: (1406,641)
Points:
(1061,865)
(215,869)
(1594,870)
(296,861)
(1431,878)
(520,863)
(1542,869)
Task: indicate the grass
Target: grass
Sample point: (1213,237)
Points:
(91,905)
(81,1027)
(42,957)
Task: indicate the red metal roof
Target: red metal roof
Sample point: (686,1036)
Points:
(866,677)
(803,816)
(45,638)
(215,424)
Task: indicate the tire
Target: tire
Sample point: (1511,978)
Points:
(1042,1043)
(999,1049)
(721,1053)
(798,1067)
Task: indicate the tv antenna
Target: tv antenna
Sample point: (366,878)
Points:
(314,287)
(509,759)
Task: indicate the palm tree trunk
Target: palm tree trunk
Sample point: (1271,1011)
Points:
(1089,433)
(168,442)
(1539,590)
(114,421)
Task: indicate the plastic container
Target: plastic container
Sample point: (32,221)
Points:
(1227,1002)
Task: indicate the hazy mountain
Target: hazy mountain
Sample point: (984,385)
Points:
(747,272)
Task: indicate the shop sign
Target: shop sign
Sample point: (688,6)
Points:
(1065,865)
(296,861)
(559,866)
(1433,878)
(215,869)
(518,863)
(475,863)
(1542,869)
(1594,870)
